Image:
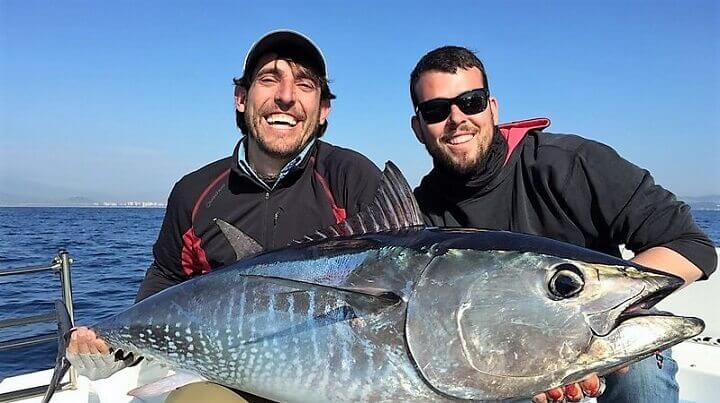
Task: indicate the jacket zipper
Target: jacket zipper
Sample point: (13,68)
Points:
(268,237)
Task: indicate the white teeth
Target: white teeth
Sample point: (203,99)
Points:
(463,138)
(281,118)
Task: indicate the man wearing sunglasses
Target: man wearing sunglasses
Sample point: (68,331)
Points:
(517,178)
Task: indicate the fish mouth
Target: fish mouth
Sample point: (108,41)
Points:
(635,329)
(645,303)
(635,338)
(650,288)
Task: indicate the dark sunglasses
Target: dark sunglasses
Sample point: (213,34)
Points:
(438,109)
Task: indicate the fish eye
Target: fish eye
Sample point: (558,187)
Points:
(567,281)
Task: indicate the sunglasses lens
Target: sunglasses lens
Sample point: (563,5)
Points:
(472,102)
(435,111)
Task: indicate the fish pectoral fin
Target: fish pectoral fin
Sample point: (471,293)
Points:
(165,385)
(241,243)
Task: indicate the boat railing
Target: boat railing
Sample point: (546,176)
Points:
(61,264)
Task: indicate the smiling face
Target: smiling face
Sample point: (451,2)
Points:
(282,108)
(460,142)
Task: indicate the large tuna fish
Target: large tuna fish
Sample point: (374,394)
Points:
(383,309)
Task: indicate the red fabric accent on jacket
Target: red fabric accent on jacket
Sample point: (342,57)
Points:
(193,258)
(205,192)
(515,131)
(339,212)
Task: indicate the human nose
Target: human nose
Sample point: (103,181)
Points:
(456,116)
(285,94)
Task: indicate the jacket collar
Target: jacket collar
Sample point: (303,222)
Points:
(241,167)
(506,140)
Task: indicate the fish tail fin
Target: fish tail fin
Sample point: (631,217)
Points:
(61,363)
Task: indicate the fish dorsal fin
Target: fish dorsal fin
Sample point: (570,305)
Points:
(394,207)
(242,244)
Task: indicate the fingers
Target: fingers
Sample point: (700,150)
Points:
(573,392)
(73,346)
(552,395)
(100,345)
(85,341)
(541,398)
(592,386)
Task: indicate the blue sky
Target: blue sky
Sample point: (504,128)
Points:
(118,100)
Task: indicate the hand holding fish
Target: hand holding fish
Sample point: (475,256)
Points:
(84,341)
(91,356)
(592,386)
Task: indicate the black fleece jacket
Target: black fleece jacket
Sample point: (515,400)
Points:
(329,184)
(567,188)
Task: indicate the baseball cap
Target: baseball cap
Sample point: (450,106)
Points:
(287,42)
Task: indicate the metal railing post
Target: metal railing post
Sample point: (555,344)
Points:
(61,264)
(65,261)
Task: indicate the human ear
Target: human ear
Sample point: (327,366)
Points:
(324,110)
(417,129)
(493,105)
(240,98)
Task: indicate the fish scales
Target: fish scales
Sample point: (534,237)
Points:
(428,315)
(333,334)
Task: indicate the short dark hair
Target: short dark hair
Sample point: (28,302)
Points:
(246,79)
(446,59)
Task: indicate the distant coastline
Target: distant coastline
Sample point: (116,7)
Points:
(703,203)
(36,198)
(705,206)
(89,205)
(706,203)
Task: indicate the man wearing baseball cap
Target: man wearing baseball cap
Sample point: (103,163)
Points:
(280,183)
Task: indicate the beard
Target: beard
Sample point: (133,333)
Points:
(285,148)
(462,165)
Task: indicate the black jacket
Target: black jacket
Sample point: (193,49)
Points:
(329,183)
(567,188)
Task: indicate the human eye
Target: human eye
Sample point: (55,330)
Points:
(267,79)
(306,85)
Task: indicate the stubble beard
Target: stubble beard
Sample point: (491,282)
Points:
(462,165)
(281,149)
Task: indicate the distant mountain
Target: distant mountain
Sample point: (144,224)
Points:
(80,200)
(18,193)
(12,199)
